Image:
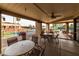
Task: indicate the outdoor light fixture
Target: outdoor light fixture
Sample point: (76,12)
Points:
(3,18)
(25,9)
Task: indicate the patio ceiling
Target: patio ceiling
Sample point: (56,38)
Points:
(42,11)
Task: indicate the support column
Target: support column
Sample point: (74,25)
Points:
(67,27)
(47,26)
(38,28)
(0,31)
(75,28)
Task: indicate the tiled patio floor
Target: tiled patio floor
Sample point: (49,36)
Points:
(63,48)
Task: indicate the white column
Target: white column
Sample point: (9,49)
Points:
(38,31)
(38,28)
(47,26)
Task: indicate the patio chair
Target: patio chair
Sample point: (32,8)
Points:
(35,39)
(23,34)
(38,51)
(12,40)
(56,38)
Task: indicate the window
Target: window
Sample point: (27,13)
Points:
(43,26)
(12,27)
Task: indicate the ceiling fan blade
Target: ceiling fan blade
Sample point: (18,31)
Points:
(54,16)
(58,16)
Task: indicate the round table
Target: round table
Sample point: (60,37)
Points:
(19,48)
(48,36)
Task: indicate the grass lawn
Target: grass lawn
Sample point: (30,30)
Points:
(8,34)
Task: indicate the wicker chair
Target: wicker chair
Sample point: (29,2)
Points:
(35,39)
(23,34)
(12,40)
(56,38)
(37,51)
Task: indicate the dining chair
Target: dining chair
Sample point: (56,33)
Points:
(37,51)
(23,35)
(56,38)
(35,39)
(12,40)
(42,50)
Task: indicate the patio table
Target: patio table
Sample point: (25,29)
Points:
(48,36)
(19,48)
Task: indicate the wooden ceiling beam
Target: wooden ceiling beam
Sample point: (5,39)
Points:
(40,9)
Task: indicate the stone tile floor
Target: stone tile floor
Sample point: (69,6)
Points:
(63,48)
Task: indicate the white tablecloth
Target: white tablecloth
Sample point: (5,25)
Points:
(48,34)
(19,48)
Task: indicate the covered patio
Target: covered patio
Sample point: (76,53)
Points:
(61,42)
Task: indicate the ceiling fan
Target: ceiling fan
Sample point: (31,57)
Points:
(54,16)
